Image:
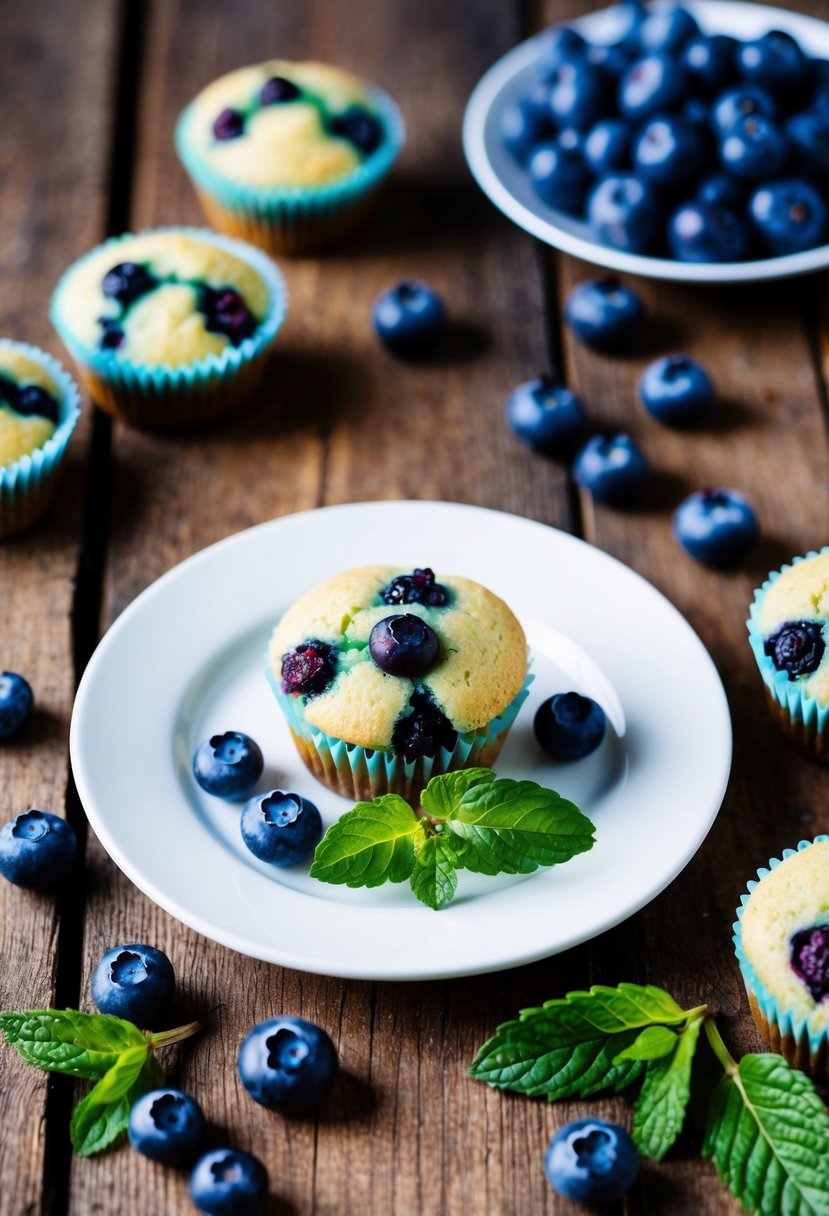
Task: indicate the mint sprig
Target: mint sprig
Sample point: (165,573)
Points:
(467,820)
(767,1129)
(97,1047)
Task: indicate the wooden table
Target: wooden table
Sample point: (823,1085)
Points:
(91,91)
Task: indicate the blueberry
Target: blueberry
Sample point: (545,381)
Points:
(652,85)
(569,726)
(809,138)
(523,125)
(741,102)
(613,57)
(607,146)
(546,416)
(708,232)
(37,850)
(722,190)
(676,389)
(403,645)
(579,93)
(228,1182)
(419,587)
(775,62)
(591,1161)
(668,151)
(424,730)
(16,703)
(359,127)
(612,468)
(112,335)
(716,526)
(166,1125)
(281,828)
(309,668)
(228,765)
(604,313)
(790,215)
(710,61)
(625,212)
(135,982)
(629,15)
(410,319)
(32,399)
(557,45)
(229,124)
(287,1064)
(128,281)
(796,648)
(667,29)
(559,175)
(697,113)
(753,148)
(225,312)
(277,90)
(809,955)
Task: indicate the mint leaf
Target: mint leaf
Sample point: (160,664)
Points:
(513,827)
(443,794)
(653,1043)
(663,1098)
(369,845)
(434,879)
(768,1132)
(65,1040)
(104,1113)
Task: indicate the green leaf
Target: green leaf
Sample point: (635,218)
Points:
(653,1043)
(513,827)
(443,794)
(434,878)
(663,1098)
(65,1040)
(768,1133)
(104,1113)
(369,845)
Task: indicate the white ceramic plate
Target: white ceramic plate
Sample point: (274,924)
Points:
(509,188)
(185,661)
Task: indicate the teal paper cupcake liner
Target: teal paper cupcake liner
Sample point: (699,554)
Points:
(786,1033)
(190,394)
(363,774)
(29,485)
(293,219)
(800,715)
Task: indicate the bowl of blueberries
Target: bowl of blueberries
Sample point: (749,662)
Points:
(682,142)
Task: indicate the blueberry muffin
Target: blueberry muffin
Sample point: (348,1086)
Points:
(782,944)
(788,630)
(39,407)
(289,155)
(387,678)
(169,328)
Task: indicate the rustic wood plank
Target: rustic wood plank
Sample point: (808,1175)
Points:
(53,168)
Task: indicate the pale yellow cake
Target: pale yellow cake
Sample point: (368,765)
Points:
(21,434)
(801,593)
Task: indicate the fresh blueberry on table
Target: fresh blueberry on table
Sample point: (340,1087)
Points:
(228,765)
(604,313)
(166,1125)
(38,850)
(667,29)
(309,668)
(710,61)
(579,93)
(789,215)
(611,468)
(559,175)
(625,213)
(569,726)
(676,389)
(135,982)
(607,146)
(287,1064)
(228,1182)
(654,84)
(668,151)
(796,648)
(708,232)
(16,703)
(403,645)
(419,587)
(281,828)
(744,101)
(591,1161)
(753,148)
(716,526)
(548,417)
(410,319)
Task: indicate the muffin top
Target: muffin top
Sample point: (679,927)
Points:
(381,656)
(162,298)
(283,124)
(793,618)
(785,932)
(29,404)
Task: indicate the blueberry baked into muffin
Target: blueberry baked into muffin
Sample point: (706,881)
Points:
(289,155)
(169,328)
(782,945)
(788,630)
(388,677)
